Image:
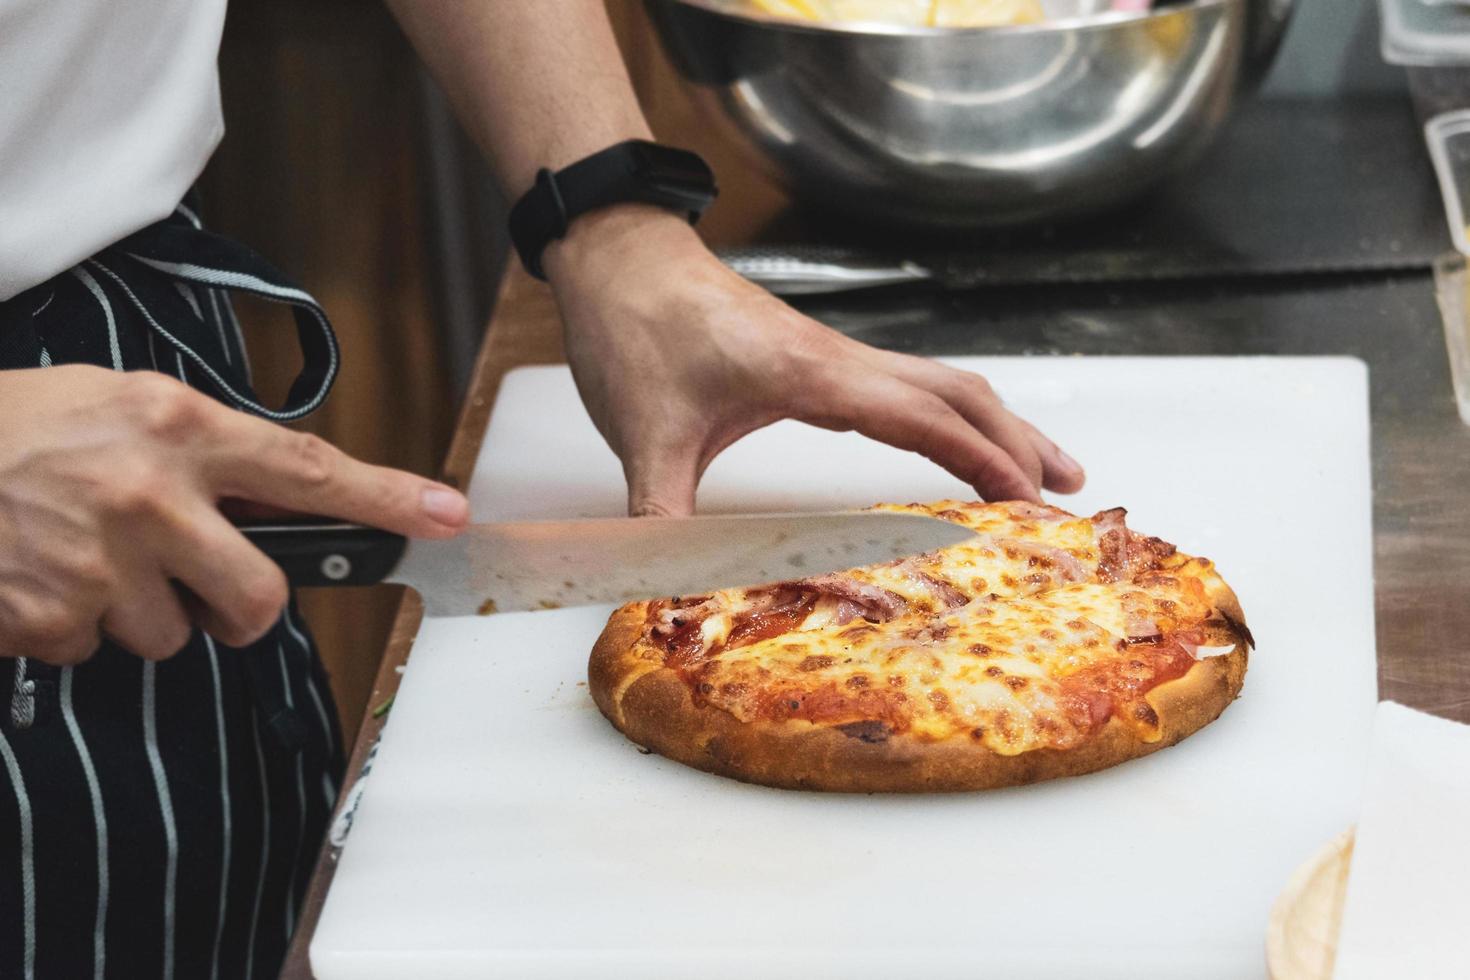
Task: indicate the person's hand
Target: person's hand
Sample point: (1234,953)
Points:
(676,357)
(110,522)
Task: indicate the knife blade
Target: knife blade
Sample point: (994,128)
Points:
(549,564)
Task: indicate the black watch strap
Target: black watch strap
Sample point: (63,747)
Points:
(635,171)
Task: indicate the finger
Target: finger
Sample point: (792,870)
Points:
(661,483)
(146,617)
(240,592)
(267,464)
(1061,473)
(249,510)
(58,634)
(885,408)
(971,396)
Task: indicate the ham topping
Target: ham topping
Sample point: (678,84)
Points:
(948,595)
(1138,620)
(857,599)
(1112,544)
(1066,566)
(1125,554)
(1036,512)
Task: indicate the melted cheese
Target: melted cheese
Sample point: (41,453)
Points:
(993,670)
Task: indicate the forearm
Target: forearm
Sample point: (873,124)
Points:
(536,83)
(674,355)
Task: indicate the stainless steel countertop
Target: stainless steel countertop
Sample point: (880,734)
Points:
(1421,449)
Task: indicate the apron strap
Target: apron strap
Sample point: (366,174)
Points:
(201,258)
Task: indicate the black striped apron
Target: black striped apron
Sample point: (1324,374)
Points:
(161,819)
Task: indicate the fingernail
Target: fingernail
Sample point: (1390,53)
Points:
(445,505)
(1068,463)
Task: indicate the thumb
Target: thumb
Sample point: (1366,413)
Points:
(661,483)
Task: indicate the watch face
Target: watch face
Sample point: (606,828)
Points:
(677,171)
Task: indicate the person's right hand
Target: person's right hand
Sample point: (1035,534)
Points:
(110,522)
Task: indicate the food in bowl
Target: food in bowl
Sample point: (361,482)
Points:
(940,13)
(925,13)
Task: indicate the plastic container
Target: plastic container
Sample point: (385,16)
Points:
(1423,34)
(1431,39)
(1448,136)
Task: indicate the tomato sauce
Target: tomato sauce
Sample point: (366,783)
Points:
(764,625)
(1094,694)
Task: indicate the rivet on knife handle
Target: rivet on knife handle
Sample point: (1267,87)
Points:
(328,554)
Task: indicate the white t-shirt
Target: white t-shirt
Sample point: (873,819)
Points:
(109,110)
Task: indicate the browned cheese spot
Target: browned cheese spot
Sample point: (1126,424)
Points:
(940,700)
(815,663)
(858,681)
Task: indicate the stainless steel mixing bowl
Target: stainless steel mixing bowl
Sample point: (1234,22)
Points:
(967,127)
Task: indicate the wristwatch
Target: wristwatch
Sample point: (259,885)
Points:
(632,171)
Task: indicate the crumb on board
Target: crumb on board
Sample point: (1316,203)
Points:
(487,607)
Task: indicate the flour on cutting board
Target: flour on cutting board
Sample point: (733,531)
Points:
(509,831)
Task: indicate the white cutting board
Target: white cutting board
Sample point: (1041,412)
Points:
(508,831)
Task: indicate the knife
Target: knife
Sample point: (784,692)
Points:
(804,270)
(548,564)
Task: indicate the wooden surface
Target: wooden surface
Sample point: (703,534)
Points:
(319,172)
(525,330)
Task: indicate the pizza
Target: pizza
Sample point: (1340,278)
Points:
(1047,645)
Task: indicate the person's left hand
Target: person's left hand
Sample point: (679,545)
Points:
(676,357)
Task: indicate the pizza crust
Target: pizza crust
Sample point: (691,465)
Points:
(652,705)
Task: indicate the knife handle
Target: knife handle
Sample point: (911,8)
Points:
(314,554)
